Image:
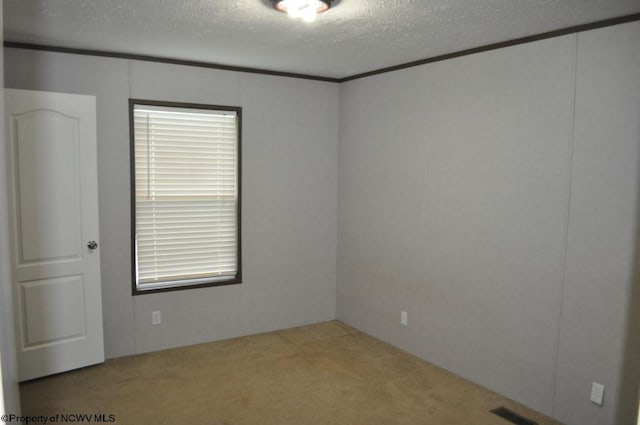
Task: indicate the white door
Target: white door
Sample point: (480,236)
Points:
(54,226)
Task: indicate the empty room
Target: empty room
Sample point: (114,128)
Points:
(281,212)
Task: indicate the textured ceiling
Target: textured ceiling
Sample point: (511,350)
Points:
(355,36)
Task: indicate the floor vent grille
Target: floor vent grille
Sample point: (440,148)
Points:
(512,416)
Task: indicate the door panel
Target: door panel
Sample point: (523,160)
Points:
(54,214)
(49,309)
(46,155)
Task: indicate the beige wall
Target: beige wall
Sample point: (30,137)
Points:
(288,196)
(600,272)
(494,198)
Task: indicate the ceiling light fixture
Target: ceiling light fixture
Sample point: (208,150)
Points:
(308,10)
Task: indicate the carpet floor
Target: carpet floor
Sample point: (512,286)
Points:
(321,374)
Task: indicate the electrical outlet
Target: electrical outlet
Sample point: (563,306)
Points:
(597,393)
(403,318)
(156,318)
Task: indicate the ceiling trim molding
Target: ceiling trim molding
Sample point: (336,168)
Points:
(500,45)
(466,52)
(148,58)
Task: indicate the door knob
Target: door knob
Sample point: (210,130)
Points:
(92,245)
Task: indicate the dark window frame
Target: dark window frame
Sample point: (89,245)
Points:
(237,279)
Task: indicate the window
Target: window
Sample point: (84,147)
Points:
(185,168)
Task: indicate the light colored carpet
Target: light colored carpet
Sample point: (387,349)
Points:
(322,374)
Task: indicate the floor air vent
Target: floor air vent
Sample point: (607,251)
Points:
(512,416)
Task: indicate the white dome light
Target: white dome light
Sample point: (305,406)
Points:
(307,10)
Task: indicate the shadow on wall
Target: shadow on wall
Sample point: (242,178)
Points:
(628,408)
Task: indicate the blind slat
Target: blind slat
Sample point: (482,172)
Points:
(194,266)
(182,257)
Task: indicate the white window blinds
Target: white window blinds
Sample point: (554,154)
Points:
(186,195)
